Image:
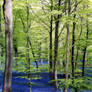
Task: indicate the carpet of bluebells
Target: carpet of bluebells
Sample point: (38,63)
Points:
(20,84)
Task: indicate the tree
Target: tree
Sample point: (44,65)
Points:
(56,45)
(0,17)
(7,11)
(73,41)
(85,48)
(50,44)
(67,46)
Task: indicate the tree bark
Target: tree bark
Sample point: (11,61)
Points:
(0,33)
(83,64)
(0,18)
(28,58)
(72,55)
(73,42)
(7,11)
(56,47)
(67,57)
(67,46)
(37,66)
(50,45)
(85,50)
(28,48)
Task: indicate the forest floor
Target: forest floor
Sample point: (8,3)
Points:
(20,84)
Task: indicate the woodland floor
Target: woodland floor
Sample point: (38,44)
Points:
(20,84)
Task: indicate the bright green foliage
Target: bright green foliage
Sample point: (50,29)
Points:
(38,32)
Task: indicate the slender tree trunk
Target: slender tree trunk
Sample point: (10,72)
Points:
(79,39)
(27,55)
(0,33)
(50,46)
(73,43)
(72,55)
(56,55)
(0,18)
(28,58)
(50,58)
(85,50)
(67,51)
(28,48)
(7,11)
(37,66)
(67,57)
(33,54)
(56,47)
(47,46)
(83,65)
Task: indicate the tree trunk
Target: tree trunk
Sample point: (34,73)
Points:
(0,33)
(0,18)
(28,58)
(7,11)
(67,57)
(83,65)
(73,41)
(72,55)
(56,47)
(37,66)
(56,55)
(50,46)
(85,49)
(28,48)
(67,51)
